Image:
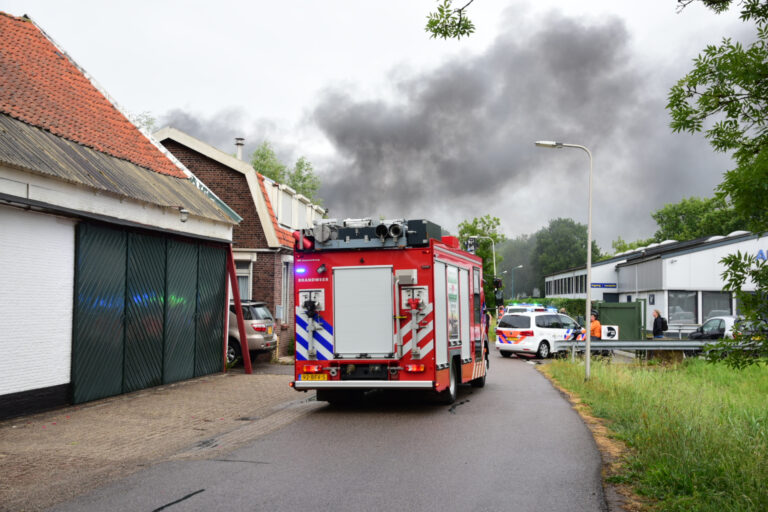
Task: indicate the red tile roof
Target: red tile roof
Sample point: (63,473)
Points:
(41,86)
(284,236)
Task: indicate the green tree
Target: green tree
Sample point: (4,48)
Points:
(448,22)
(750,343)
(694,218)
(690,218)
(559,246)
(485,226)
(303,180)
(144,120)
(728,89)
(515,252)
(619,245)
(266,162)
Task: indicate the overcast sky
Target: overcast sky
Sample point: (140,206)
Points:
(400,125)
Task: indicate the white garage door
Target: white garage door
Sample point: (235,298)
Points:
(37,261)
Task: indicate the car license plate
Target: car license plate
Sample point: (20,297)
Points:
(269,330)
(313,376)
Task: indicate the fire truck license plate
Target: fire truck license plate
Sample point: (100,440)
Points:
(314,376)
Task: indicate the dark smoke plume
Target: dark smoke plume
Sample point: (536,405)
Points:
(458,142)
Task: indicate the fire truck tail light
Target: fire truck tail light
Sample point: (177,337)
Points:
(312,368)
(414,368)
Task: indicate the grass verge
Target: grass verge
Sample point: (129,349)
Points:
(697,433)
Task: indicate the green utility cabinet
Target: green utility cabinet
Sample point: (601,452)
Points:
(627,315)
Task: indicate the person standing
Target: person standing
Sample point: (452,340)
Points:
(658,324)
(595,329)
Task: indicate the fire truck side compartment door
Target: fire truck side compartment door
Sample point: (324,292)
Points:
(466,342)
(362,310)
(441,316)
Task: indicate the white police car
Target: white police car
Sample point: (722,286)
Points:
(539,333)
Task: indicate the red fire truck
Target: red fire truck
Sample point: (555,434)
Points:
(387,305)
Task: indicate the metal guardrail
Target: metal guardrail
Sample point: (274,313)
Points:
(655,344)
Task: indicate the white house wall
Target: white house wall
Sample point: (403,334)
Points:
(37,262)
(702,270)
(78,198)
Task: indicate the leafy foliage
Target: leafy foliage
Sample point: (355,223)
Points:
(266,162)
(301,178)
(694,218)
(486,227)
(689,219)
(448,22)
(619,245)
(729,83)
(750,341)
(144,120)
(561,245)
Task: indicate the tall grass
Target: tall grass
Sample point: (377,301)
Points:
(698,432)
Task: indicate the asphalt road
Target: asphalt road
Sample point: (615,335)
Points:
(514,445)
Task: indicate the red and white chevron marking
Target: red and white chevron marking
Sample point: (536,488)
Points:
(426,336)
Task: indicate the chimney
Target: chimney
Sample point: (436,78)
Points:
(239,142)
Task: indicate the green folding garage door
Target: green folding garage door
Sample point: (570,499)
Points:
(149,309)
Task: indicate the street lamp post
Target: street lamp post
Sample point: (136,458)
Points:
(512,276)
(560,145)
(493,249)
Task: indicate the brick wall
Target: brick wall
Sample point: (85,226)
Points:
(232,187)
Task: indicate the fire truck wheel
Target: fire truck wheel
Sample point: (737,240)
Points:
(448,395)
(543,351)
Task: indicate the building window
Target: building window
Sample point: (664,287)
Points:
(715,304)
(682,308)
(244,278)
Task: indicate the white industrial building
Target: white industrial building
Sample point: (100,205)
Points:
(683,280)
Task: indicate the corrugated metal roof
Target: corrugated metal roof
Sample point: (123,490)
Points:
(30,148)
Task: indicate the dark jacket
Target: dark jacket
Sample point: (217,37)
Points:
(658,330)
